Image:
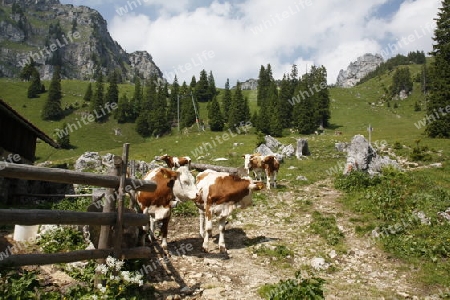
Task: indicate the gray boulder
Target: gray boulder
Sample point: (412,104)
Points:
(302,148)
(88,160)
(363,157)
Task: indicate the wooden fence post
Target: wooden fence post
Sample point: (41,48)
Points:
(119,224)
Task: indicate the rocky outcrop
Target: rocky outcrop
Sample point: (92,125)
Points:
(250,84)
(80,39)
(358,70)
(272,146)
(362,156)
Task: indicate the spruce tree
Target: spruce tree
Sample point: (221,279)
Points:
(88,94)
(35,86)
(226,100)
(136,101)
(97,102)
(212,86)
(112,94)
(274,120)
(439,100)
(63,137)
(52,108)
(284,96)
(173,110)
(123,111)
(187,111)
(202,89)
(216,122)
(238,112)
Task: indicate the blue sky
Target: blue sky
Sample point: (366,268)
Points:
(234,38)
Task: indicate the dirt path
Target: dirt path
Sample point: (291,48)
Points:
(359,270)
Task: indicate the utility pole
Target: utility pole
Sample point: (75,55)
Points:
(178,112)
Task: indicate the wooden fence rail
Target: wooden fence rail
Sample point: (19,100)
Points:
(17,260)
(63,217)
(112,215)
(27,172)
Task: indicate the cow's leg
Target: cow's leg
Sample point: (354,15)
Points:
(208,233)
(268,180)
(274,179)
(222,223)
(164,231)
(202,222)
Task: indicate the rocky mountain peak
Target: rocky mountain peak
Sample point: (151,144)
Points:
(358,69)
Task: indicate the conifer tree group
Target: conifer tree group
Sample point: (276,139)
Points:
(438,104)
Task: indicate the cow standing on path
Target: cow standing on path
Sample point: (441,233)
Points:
(259,164)
(170,185)
(174,162)
(219,193)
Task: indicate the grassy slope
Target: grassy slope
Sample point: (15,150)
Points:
(351,114)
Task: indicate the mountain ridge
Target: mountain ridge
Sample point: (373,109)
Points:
(75,36)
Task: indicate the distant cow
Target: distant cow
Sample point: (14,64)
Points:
(158,204)
(268,164)
(219,193)
(176,162)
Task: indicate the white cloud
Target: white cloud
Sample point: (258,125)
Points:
(241,37)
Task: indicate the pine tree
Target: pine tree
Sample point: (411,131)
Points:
(97,101)
(173,110)
(275,120)
(27,70)
(63,137)
(123,112)
(439,98)
(52,108)
(202,90)
(226,100)
(238,112)
(112,93)
(142,124)
(284,96)
(321,95)
(305,115)
(88,94)
(215,116)
(136,101)
(35,86)
(212,86)
(187,111)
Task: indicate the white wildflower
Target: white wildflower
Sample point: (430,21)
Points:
(119,265)
(126,276)
(141,282)
(110,261)
(102,269)
(101,287)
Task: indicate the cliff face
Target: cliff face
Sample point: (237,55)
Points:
(358,69)
(75,36)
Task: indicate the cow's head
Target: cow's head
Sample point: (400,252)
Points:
(184,187)
(247,159)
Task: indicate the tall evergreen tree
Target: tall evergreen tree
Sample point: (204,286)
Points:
(173,110)
(285,94)
(97,102)
(52,108)
(226,100)
(238,112)
(215,116)
(305,113)
(187,111)
(439,99)
(202,90)
(63,137)
(212,86)
(136,101)
(88,94)
(35,86)
(275,120)
(321,95)
(123,112)
(112,93)
(27,70)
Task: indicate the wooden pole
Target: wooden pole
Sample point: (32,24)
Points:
(67,257)
(119,222)
(63,217)
(53,195)
(27,172)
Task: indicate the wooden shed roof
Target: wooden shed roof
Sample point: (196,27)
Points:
(39,133)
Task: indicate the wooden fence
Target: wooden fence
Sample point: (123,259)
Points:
(112,215)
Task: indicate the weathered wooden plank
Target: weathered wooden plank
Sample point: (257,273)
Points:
(63,217)
(27,172)
(67,257)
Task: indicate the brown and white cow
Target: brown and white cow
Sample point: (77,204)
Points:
(259,164)
(176,162)
(219,193)
(170,187)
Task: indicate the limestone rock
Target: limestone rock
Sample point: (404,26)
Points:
(358,69)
